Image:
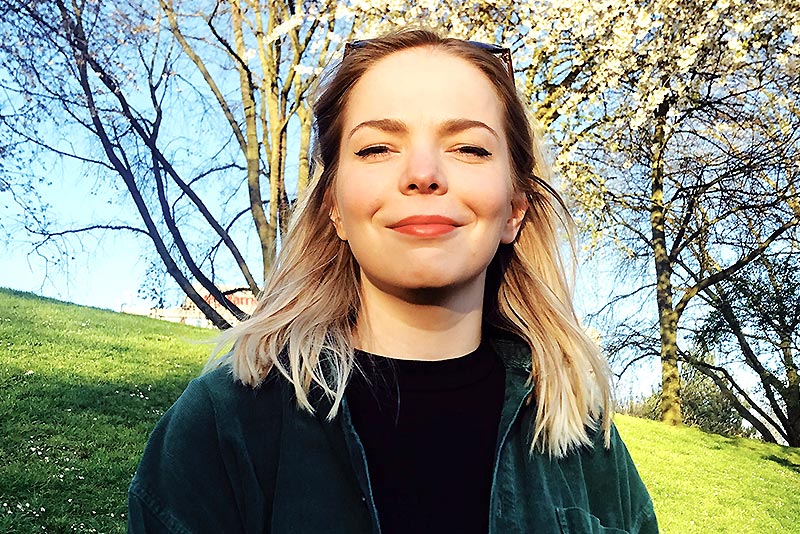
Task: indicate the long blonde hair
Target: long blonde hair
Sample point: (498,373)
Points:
(302,326)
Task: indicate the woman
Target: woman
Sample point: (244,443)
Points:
(415,363)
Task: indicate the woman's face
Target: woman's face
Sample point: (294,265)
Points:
(423,193)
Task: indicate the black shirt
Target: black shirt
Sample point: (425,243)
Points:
(429,430)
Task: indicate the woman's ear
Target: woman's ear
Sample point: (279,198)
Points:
(519,207)
(337,222)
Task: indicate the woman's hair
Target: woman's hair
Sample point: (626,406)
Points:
(303,324)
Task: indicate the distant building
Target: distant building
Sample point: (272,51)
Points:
(189,313)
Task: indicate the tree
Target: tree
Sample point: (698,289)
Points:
(703,404)
(120,73)
(688,131)
(676,123)
(706,406)
(754,331)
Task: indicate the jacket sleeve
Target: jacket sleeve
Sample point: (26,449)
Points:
(648,524)
(182,484)
(643,516)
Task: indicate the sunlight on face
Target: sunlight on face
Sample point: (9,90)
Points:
(423,192)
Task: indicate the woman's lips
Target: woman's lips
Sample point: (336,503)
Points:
(425,225)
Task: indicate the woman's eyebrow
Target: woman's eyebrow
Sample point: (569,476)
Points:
(448,127)
(385,125)
(454,126)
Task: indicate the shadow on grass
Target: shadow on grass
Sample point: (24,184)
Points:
(69,447)
(783,462)
(783,455)
(46,398)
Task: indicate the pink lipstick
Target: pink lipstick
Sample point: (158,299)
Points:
(425,225)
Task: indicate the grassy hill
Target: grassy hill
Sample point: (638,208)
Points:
(80,389)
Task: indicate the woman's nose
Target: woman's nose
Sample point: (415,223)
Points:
(423,174)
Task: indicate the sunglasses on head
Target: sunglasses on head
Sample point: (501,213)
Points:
(502,52)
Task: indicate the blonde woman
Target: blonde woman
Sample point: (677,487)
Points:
(415,364)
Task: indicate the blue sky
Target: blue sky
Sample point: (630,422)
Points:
(102,269)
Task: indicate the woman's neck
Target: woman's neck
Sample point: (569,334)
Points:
(420,324)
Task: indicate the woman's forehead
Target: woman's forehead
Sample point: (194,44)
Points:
(421,86)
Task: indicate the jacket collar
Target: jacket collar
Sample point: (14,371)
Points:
(512,350)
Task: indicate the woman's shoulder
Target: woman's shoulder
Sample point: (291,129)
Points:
(224,391)
(601,459)
(612,483)
(193,454)
(218,406)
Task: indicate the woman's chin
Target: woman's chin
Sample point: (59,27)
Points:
(427,286)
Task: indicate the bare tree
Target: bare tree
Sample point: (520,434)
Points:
(754,325)
(137,79)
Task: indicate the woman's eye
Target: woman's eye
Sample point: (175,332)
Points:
(474,151)
(372,151)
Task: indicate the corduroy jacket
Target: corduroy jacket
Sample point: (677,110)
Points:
(227,458)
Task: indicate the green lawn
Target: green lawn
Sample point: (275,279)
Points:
(81,388)
(706,483)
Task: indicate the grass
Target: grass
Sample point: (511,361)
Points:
(81,388)
(705,483)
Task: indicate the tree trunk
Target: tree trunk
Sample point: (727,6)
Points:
(304,114)
(266,232)
(667,316)
(791,396)
(83,59)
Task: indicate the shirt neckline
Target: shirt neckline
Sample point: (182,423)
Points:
(428,375)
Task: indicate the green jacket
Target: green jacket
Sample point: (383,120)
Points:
(227,458)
